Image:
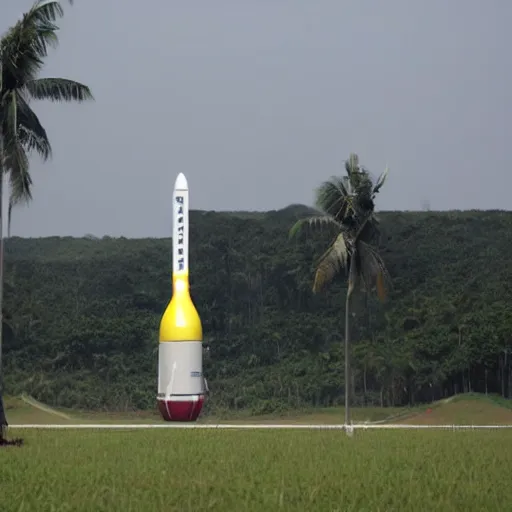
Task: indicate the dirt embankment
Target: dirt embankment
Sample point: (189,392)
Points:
(463,412)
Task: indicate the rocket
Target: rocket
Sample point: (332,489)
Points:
(181,385)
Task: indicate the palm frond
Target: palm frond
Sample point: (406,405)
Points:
(358,267)
(58,89)
(14,157)
(25,45)
(380,181)
(381,287)
(348,203)
(335,198)
(331,262)
(23,49)
(19,176)
(32,141)
(367,228)
(372,269)
(20,189)
(9,218)
(31,132)
(313,223)
(44,11)
(357,176)
(352,164)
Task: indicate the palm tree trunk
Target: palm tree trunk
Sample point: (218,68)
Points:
(347,358)
(503,372)
(351,286)
(365,383)
(3,419)
(509,372)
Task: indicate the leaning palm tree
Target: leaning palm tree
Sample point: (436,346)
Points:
(346,208)
(23,49)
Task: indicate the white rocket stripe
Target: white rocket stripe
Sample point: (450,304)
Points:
(181,398)
(180,226)
(168,391)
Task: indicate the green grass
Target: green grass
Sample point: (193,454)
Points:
(199,470)
(464,409)
(317,415)
(494,399)
(469,409)
(21,412)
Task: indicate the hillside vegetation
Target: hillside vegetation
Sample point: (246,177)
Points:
(82,315)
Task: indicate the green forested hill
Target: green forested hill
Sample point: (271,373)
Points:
(82,315)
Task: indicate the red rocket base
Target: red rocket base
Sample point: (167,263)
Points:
(181,411)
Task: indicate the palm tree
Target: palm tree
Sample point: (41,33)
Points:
(346,208)
(23,49)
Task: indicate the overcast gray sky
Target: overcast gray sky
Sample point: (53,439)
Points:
(258,101)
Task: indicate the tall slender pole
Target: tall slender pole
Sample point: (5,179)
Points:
(350,290)
(3,419)
(1,258)
(347,360)
(1,243)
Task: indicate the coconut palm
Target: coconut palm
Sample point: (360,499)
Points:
(23,49)
(346,208)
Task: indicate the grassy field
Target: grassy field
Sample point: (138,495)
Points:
(28,411)
(472,409)
(179,470)
(137,470)
(465,409)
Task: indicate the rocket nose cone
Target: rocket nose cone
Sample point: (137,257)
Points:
(181,182)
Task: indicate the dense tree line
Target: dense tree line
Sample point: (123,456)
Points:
(82,315)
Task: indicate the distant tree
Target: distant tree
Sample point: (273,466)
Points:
(23,49)
(346,208)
